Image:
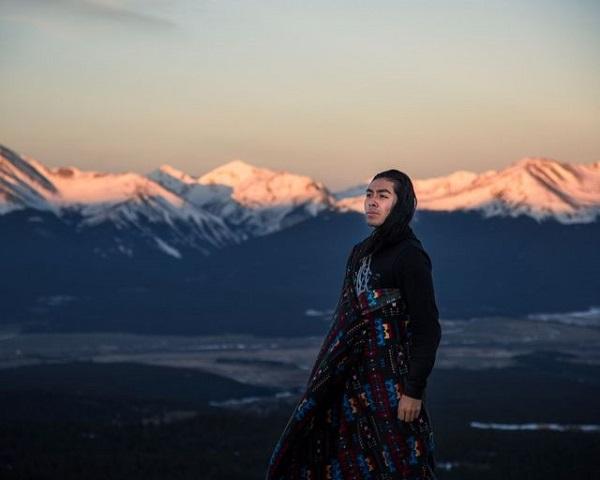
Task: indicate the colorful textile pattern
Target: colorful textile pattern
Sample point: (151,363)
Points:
(345,425)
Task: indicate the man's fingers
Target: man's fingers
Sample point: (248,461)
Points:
(401,413)
(407,415)
(404,415)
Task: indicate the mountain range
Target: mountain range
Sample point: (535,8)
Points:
(237,201)
(236,248)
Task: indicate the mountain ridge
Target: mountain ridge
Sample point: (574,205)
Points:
(173,210)
(538,187)
(535,186)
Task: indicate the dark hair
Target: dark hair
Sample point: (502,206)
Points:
(396,225)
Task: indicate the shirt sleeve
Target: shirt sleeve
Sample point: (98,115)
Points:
(413,272)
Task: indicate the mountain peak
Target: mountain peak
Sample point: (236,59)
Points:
(238,164)
(234,173)
(536,186)
(257,187)
(536,162)
(170,171)
(165,167)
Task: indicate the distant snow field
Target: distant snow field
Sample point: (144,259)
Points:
(557,427)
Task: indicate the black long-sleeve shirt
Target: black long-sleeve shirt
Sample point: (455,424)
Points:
(409,268)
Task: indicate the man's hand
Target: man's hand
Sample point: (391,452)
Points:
(408,408)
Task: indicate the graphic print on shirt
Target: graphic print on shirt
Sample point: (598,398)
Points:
(363,275)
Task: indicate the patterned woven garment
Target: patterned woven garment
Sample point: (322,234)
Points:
(346,425)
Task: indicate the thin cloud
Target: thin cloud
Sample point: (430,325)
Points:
(90,9)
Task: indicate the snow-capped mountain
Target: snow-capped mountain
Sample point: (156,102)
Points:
(228,205)
(533,186)
(261,187)
(257,200)
(126,200)
(351,193)
(171,209)
(60,226)
(22,185)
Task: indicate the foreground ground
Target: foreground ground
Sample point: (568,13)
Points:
(104,407)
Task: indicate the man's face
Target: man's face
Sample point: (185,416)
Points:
(379,200)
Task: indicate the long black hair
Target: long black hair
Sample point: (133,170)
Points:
(396,226)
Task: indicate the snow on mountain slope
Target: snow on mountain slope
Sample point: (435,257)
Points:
(534,186)
(189,187)
(351,192)
(256,187)
(128,200)
(216,199)
(257,200)
(237,200)
(25,179)
(22,184)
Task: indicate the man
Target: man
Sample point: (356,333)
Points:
(363,412)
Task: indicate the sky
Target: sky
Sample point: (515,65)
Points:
(337,90)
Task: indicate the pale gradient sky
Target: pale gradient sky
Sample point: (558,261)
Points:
(337,90)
